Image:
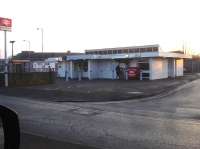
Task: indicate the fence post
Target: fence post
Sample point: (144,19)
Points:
(66,76)
(141,76)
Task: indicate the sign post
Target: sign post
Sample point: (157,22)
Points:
(6,60)
(5,25)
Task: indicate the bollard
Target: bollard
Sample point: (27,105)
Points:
(141,76)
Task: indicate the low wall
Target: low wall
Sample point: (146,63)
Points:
(28,79)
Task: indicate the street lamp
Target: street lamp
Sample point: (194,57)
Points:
(29,44)
(12,42)
(42,33)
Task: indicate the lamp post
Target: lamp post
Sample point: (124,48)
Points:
(12,42)
(42,33)
(29,44)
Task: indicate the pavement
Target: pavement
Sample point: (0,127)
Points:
(166,122)
(98,90)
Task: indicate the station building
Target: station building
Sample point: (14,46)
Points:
(101,63)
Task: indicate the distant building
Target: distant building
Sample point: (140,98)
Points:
(192,65)
(42,62)
(101,63)
(15,66)
(39,56)
(19,66)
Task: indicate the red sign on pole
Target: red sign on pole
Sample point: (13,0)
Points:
(5,24)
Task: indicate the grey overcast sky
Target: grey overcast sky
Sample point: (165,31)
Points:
(84,24)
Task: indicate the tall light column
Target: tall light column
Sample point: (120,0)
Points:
(42,34)
(12,42)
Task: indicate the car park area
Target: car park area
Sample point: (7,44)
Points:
(98,90)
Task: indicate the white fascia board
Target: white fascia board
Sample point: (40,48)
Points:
(173,55)
(126,56)
(112,56)
(78,57)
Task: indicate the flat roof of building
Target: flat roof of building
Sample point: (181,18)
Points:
(144,51)
(37,56)
(125,48)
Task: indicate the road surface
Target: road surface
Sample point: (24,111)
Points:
(1,137)
(167,122)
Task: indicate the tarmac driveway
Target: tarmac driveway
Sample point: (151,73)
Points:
(97,90)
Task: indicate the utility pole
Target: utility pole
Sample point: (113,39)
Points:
(6,59)
(29,44)
(42,34)
(5,25)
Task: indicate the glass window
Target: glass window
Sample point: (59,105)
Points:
(149,49)
(114,51)
(155,49)
(104,52)
(137,50)
(85,66)
(125,51)
(142,50)
(119,51)
(89,52)
(109,51)
(144,66)
(131,50)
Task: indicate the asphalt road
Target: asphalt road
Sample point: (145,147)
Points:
(29,141)
(167,122)
(36,142)
(1,137)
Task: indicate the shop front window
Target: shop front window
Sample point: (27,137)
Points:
(85,66)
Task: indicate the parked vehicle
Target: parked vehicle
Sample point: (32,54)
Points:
(9,122)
